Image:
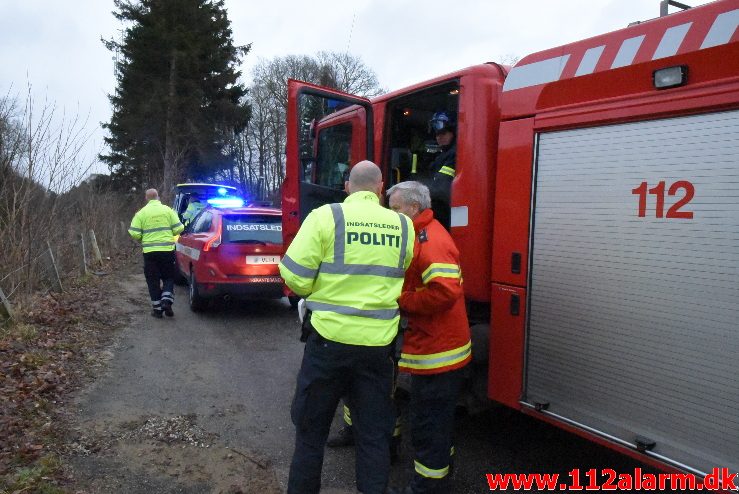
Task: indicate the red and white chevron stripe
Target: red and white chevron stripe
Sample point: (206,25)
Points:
(641,43)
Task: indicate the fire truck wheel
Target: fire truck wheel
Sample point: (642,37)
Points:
(197,303)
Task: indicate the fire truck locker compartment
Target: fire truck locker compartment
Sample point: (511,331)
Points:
(633,324)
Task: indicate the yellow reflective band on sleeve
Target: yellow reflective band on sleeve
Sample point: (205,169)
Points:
(435,360)
(448,170)
(430,473)
(440,270)
(347,415)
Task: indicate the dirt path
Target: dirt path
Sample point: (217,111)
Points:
(175,409)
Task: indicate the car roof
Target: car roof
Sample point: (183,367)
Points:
(203,188)
(248,210)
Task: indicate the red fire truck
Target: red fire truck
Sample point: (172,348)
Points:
(596,209)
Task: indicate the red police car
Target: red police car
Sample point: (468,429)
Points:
(232,252)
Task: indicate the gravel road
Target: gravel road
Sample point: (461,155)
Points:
(230,373)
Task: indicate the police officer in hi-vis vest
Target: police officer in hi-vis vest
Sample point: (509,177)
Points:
(155,226)
(349,261)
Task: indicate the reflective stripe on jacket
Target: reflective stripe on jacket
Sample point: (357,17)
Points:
(445,165)
(155,226)
(349,261)
(438,335)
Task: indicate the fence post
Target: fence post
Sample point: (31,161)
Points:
(114,238)
(5,305)
(53,270)
(83,257)
(96,256)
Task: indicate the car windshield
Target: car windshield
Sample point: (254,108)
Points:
(248,228)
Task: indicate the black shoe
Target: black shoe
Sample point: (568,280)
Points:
(167,307)
(157,313)
(345,437)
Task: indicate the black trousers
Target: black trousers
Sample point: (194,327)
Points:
(159,271)
(431,416)
(364,375)
(397,430)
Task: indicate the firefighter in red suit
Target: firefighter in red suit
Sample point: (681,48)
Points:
(436,343)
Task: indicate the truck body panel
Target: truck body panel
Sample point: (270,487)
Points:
(620,63)
(632,319)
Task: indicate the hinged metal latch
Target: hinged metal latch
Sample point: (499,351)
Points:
(539,406)
(516,263)
(644,444)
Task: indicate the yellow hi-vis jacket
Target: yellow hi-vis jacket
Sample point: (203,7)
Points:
(349,260)
(155,226)
(192,211)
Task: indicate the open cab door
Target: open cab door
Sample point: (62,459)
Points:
(327,133)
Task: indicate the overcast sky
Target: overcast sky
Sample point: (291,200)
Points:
(54,45)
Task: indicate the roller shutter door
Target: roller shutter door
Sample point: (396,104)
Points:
(634,321)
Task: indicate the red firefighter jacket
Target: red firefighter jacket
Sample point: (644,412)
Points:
(438,335)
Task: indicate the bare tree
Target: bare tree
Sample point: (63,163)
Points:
(41,158)
(508,59)
(348,73)
(262,159)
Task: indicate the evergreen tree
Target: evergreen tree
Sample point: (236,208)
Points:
(178,100)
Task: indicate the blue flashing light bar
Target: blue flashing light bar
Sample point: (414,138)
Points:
(222,191)
(226,202)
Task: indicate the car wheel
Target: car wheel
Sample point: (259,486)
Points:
(294,299)
(197,302)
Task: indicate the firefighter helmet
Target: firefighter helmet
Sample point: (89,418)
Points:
(441,121)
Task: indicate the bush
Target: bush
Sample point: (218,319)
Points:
(43,197)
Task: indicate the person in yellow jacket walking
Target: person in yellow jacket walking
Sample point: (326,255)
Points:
(155,226)
(349,261)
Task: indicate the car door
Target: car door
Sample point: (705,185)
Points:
(328,131)
(191,242)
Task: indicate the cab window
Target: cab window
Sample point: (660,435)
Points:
(333,160)
(412,146)
(242,229)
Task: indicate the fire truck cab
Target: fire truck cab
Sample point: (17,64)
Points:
(334,131)
(595,208)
